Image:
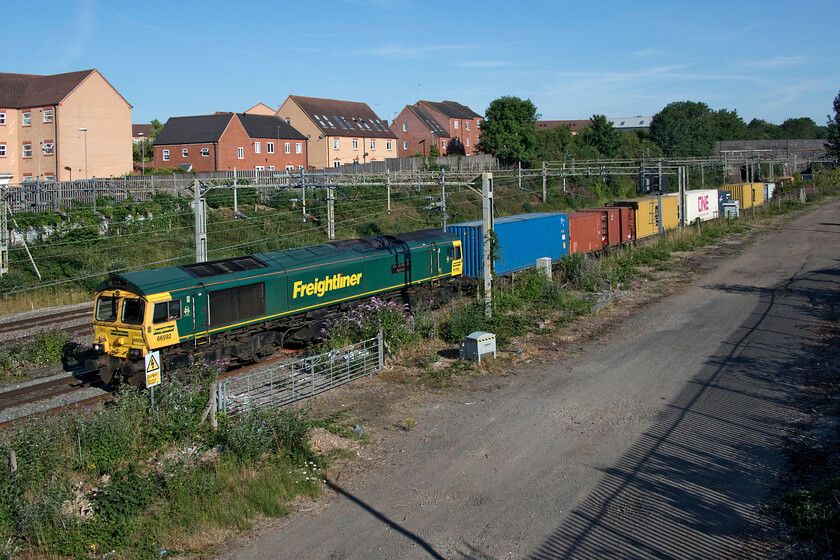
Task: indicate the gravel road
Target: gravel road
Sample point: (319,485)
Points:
(658,441)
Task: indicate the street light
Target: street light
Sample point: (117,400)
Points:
(143,151)
(83,129)
(70,169)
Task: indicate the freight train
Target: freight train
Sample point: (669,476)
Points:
(241,309)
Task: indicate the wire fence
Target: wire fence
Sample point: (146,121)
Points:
(287,383)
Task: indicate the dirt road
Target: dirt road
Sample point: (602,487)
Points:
(660,442)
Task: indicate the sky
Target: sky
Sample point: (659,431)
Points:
(765,59)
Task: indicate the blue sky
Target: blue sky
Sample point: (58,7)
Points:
(771,60)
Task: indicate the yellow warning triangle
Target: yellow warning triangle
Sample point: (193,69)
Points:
(153,365)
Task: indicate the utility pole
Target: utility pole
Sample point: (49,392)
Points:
(4,233)
(487,227)
(235,201)
(330,212)
(200,208)
(303,193)
(544,183)
(388,187)
(659,200)
(443,199)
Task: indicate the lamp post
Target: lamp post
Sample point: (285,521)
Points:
(143,152)
(70,169)
(83,129)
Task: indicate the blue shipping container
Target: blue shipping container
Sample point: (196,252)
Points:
(522,240)
(723,196)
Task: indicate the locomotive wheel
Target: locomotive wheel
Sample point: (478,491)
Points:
(107,375)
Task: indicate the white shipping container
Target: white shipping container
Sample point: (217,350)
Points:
(769,188)
(701,205)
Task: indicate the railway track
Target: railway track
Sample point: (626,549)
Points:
(60,318)
(47,390)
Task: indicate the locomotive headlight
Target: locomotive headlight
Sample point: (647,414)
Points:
(134,353)
(100,348)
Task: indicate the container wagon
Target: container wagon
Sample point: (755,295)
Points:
(747,194)
(587,231)
(521,240)
(701,204)
(620,223)
(646,210)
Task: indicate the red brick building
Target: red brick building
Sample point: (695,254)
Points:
(452,127)
(225,141)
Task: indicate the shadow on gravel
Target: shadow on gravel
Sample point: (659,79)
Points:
(390,523)
(691,485)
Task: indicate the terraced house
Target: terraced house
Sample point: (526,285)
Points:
(339,132)
(63,127)
(451,127)
(227,141)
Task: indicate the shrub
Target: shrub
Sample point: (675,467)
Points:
(364,322)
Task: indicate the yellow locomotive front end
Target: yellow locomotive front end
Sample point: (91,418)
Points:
(118,332)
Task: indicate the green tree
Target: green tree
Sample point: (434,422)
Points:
(801,128)
(601,135)
(759,129)
(684,128)
(508,132)
(729,126)
(833,132)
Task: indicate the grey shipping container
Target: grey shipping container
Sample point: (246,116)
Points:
(521,239)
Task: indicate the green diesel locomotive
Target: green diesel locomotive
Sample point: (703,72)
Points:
(242,309)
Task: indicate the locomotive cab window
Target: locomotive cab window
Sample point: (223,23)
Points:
(132,312)
(166,311)
(106,309)
(453,254)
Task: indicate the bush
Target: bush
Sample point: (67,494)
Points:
(399,326)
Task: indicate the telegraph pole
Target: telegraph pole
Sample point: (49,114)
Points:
(544,183)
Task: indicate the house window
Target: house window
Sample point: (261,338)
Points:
(27,150)
(336,163)
(260,168)
(335,144)
(455,124)
(49,177)
(405,127)
(443,144)
(299,147)
(388,145)
(49,149)
(185,152)
(27,119)
(288,147)
(48,115)
(269,147)
(271,168)
(205,152)
(2,118)
(165,155)
(290,168)
(405,144)
(466,125)
(467,142)
(373,144)
(2,150)
(240,153)
(355,144)
(299,167)
(256,147)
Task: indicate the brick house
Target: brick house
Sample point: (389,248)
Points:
(339,132)
(225,141)
(63,126)
(456,132)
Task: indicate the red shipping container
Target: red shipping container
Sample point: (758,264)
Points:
(619,225)
(586,232)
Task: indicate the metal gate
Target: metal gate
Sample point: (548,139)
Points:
(290,382)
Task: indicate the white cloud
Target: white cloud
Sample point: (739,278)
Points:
(85,27)
(777,62)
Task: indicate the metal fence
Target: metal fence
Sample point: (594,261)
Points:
(284,384)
